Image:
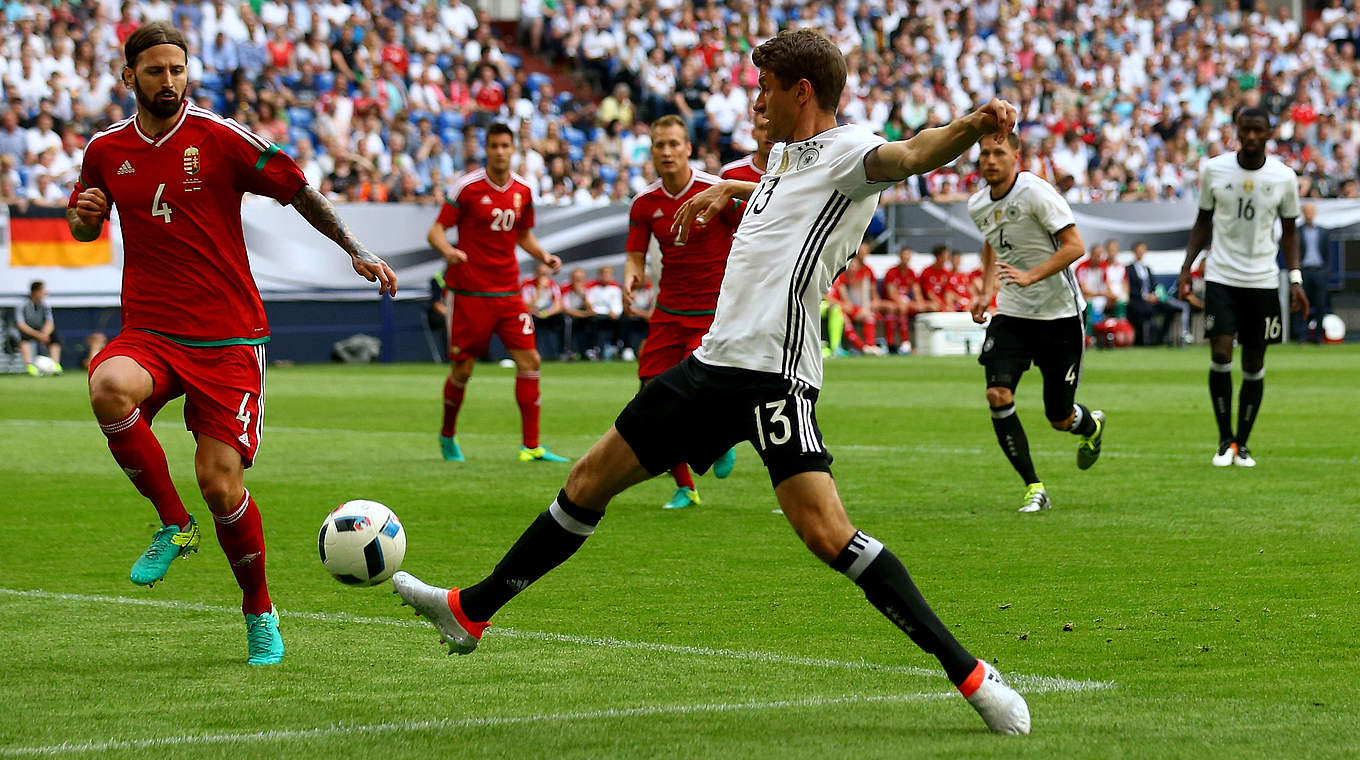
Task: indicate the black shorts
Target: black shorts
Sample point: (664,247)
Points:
(694,412)
(1252,314)
(54,339)
(1055,346)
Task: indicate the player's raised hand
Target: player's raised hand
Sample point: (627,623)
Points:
(374,269)
(91,206)
(697,211)
(997,118)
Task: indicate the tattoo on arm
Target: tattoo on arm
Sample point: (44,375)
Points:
(321,214)
(80,230)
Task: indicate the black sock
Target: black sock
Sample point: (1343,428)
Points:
(1084,424)
(1014,444)
(554,536)
(1220,391)
(1249,403)
(888,587)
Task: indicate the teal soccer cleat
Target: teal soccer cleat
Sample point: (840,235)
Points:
(539,454)
(683,497)
(723,467)
(169,543)
(448,447)
(263,639)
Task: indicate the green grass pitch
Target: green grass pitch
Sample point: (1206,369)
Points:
(1163,608)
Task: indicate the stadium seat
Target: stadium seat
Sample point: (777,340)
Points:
(449,120)
(576,138)
(325,81)
(608,174)
(450,136)
(535,81)
(301,117)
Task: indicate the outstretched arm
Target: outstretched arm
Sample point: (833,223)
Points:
(932,148)
(321,214)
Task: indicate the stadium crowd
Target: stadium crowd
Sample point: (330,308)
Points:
(383,100)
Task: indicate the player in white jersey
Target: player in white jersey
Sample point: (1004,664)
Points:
(1241,195)
(1030,240)
(757,373)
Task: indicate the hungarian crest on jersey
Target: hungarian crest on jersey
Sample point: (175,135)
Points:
(191,160)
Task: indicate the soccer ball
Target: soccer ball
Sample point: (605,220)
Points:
(362,543)
(44,364)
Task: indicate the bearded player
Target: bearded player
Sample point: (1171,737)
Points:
(691,272)
(493,210)
(193,322)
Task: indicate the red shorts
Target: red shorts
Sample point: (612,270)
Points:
(669,341)
(222,386)
(473,320)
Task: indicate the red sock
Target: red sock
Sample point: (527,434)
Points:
(529,400)
(870,332)
(453,401)
(137,451)
(890,327)
(852,337)
(242,540)
(683,478)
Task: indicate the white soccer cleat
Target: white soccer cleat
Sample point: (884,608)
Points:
(1242,457)
(1227,450)
(1002,707)
(440,606)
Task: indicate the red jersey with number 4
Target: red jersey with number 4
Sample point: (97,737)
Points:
(743,169)
(691,272)
(178,195)
(489,218)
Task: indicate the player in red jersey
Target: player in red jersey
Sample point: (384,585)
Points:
(902,300)
(691,271)
(752,167)
(934,281)
(493,209)
(193,322)
(856,293)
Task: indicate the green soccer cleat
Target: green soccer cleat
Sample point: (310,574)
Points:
(539,454)
(32,369)
(723,467)
(683,497)
(169,544)
(1036,499)
(1088,451)
(449,448)
(263,639)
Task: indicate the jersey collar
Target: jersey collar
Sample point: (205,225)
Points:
(683,190)
(154,142)
(499,188)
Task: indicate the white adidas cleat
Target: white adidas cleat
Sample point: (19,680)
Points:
(440,606)
(1002,707)
(1242,457)
(1224,456)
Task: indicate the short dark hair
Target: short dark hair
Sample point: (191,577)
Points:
(804,54)
(35,287)
(1252,112)
(1013,140)
(939,249)
(149,36)
(499,129)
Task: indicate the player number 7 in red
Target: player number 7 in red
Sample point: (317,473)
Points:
(159,208)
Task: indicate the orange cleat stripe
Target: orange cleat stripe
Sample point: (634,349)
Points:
(973,681)
(457,609)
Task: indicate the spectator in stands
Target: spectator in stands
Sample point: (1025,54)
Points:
(543,296)
(33,318)
(13,140)
(1151,312)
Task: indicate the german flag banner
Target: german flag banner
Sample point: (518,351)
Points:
(39,237)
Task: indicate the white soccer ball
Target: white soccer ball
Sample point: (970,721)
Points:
(1333,329)
(44,364)
(362,543)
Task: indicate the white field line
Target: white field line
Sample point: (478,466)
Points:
(453,724)
(1165,454)
(1047,683)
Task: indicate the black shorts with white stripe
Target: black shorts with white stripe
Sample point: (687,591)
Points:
(694,412)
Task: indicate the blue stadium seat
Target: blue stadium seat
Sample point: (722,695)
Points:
(211,81)
(416,116)
(325,81)
(301,117)
(575,138)
(535,81)
(608,174)
(449,120)
(575,153)
(295,133)
(513,60)
(450,136)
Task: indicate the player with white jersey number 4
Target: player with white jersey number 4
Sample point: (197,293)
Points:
(193,322)
(1241,194)
(756,375)
(1031,239)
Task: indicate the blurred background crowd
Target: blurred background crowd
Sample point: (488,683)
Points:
(384,100)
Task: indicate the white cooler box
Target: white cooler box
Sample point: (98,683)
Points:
(947,333)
